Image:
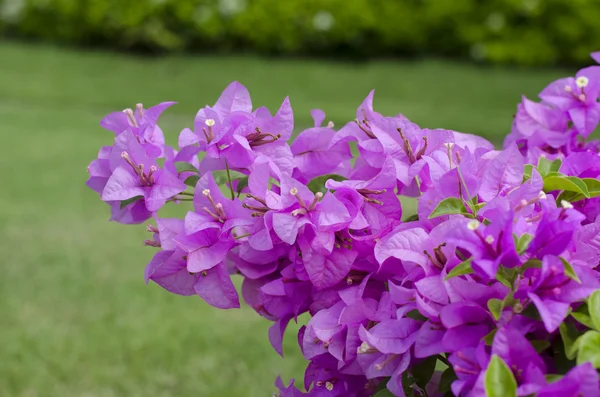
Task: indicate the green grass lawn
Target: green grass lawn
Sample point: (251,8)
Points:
(76,318)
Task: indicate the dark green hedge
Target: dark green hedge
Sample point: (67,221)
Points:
(527,32)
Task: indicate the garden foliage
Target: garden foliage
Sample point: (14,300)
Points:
(526,32)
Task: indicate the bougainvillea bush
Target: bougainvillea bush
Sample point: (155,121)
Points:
(491,289)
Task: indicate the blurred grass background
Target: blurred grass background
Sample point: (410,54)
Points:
(75,316)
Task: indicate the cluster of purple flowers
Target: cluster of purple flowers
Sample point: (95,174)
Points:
(490,289)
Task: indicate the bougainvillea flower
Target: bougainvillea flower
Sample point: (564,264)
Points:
(496,276)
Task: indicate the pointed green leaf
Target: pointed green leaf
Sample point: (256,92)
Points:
(499,379)
(532,264)
(584,319)
(182,166)
(192,180)
(489,338)
(569,335)
(243,182)
(565,183)
(569,271)
(416,315)
(594,309)
(546,166)
(461,269)
(449,206)
(448,376)
(125,203)
(527,172)
(588,348)
(423,372)
(318,184)
(540,345)
(495,307)
(523,242)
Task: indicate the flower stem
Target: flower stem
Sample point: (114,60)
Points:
(229,179)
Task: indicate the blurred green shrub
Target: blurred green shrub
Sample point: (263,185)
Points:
(525,32)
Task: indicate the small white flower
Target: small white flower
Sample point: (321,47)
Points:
(473,224)
(209,122)
(542,196)
(565,204)
(329,386)
(489,239)
(363,348)
(582,81)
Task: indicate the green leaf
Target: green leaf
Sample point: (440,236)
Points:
(571,197)
(448,376)
(569,335)
(182,166)
(412,218)
(527,172)
(221,177)
(593,186)
(553,377)
(565,183)
(584,319)
(588,346)
(192,180)
(506,276)
(523,242)
(495,307)
(423,372)
(415,315)
(382,384)
(545,166)
(489,338)
(383,393)
(532,264)
(461,269)
(532,312)
(499,379)
(243,182)
(540,345)
(125,203)
(318,184)
(562,363)
(407,384)
(449,206)
(594,309)
(569,271)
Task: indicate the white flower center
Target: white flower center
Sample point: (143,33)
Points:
(209,122)
(473,225)
(582,81)
(565,204)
